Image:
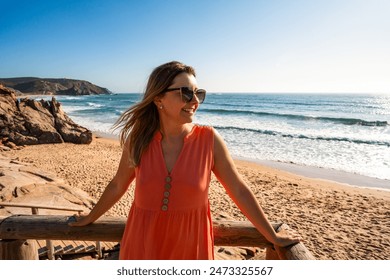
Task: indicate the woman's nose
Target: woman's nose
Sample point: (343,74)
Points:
(195,99)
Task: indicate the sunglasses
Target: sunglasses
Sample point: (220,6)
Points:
(187,94)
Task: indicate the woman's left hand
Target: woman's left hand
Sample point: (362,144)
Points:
(287,237)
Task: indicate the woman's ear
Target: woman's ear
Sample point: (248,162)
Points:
(157,101)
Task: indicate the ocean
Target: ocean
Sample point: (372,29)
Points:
(341,132)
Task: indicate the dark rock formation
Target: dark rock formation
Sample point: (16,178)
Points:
(31,85)
(29,122)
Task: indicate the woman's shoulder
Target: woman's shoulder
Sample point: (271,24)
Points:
(199,131)
(203,129)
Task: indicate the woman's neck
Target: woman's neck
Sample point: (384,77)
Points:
(172,133)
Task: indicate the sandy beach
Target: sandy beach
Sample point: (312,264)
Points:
(337,221)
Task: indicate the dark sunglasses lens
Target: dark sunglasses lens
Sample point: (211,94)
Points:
(201,94)
(186,94)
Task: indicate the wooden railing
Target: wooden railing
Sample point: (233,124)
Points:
(35,211)
(35,207)
(226,233)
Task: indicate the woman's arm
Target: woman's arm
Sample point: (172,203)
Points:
(113,192)
(227,174)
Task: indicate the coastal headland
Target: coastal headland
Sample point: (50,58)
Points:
(52,86)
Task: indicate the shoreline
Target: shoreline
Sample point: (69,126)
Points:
(333,175)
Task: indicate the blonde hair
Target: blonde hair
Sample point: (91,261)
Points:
(140,122)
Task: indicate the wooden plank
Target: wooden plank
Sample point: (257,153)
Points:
(79,248)
(42,251)
(38,206)
(239,233)
(90,248)
(106,245)
(42,248)
(56,228)
(40,243)
(111,229)
(67,248)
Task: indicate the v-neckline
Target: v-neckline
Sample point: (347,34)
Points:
(186,137)
(169,172)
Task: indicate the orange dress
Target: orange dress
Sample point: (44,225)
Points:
(170,216)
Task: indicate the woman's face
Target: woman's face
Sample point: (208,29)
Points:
(173,107)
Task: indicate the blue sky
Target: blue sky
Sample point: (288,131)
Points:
(236,46)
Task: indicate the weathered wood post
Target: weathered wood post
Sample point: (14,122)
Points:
(18,249)
(49,243)
(294,252)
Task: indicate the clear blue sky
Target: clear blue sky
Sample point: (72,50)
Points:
(235,45)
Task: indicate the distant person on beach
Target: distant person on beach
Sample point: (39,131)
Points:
(171,160)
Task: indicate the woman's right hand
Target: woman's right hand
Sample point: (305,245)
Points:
(79,220)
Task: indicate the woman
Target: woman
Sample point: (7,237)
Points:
(172,159)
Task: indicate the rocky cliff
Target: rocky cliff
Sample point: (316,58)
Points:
(29,122)
(31,85)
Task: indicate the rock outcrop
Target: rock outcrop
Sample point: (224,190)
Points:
(31,85)
(30,122)
(24,183)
